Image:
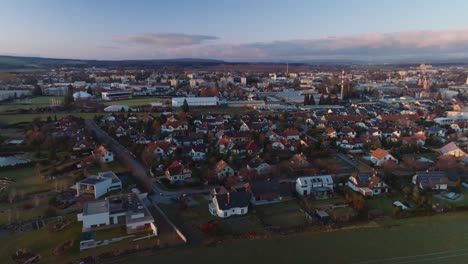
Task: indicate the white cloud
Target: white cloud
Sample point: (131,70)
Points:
(166,39)
(373,46)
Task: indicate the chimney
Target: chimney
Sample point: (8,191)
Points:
(228,198)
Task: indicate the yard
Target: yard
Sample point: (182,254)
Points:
(437,239)
(43,242)
(385,202)
(197,214)
(283,214)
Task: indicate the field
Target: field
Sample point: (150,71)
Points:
(283,214)
(17,118)
(135,101)
(26,179)
(436,239)
(35,102)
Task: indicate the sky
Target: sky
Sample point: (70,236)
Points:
(242,30)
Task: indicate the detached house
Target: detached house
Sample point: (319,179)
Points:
(103,154)
(222,170)
(432,180)
(380,156)
(99,185)
(451,149)
(177,172)
(367,184)
(291,133)
(226,203)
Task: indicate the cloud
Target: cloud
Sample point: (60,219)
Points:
(108,47)
(447,44)
(166,39)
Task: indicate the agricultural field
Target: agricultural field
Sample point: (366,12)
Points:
(437,239)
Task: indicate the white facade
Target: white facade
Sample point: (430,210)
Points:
(216,211)
(99,185)
(304,185)
(195,101)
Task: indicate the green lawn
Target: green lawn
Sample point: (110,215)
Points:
(385,202)
(135,101)
(410,240)
(43,242)
(26,180)
(282,214)
(42,101)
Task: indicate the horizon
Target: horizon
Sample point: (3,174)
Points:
(236,32)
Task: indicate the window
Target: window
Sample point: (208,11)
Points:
(242,211)
(225,214)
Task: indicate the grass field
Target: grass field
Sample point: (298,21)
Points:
(283,214)
(35,102)
(436,239)
(136,101)
(26,180)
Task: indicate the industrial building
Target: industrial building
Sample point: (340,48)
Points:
(195,101)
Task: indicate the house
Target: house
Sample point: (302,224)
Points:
(451,149)
(244,127)
(176,172)
(331,132)
(291,133)
(226,203)
(99,185)
(198,152)
(367,184)
(318,186)
(251,147)
(299,163)
(259,165)
(265,192)
(121,210)
(174,126)
(103,154)
(83,145)
(432,180)
(380,156)
(222,170)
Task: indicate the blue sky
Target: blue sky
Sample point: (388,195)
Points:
(234,30)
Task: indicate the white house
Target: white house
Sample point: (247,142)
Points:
(305,185)
(99,185)
(126,209)
(177,172)
(225,204)
(380,156)
(104,154)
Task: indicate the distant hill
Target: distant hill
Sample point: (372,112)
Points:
(15,62)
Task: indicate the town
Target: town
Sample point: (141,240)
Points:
(117,161)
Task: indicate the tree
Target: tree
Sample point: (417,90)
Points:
(12,195)
(68,98)
(185,106)
(306,99)
(89,90)
(311,100)
(322,100)
(37,91)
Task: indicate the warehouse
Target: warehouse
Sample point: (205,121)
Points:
(195,101)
